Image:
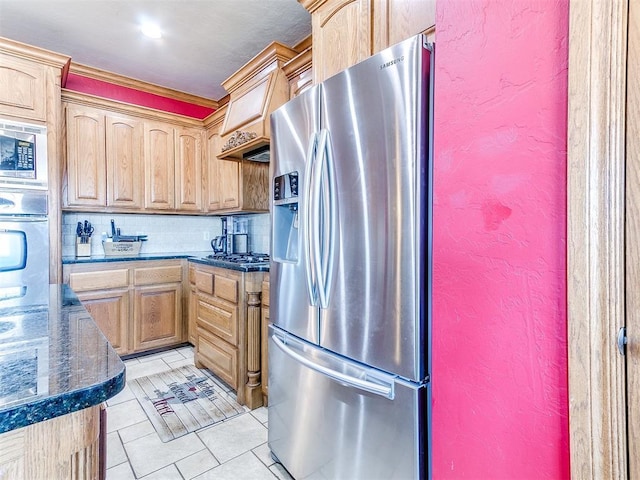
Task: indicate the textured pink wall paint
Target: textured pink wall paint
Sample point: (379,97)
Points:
(500,402)
(92,86)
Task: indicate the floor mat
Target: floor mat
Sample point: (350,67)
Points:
(183,400)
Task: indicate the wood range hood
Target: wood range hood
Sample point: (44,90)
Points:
(256,90)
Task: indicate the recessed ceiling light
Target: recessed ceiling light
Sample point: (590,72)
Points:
(151,30)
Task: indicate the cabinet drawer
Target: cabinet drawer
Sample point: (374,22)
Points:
(156,275)
(85,281)
(220,357)
(204,282)
(218,318)
(226,288)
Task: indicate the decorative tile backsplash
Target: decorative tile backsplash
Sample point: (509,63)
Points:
(166,233)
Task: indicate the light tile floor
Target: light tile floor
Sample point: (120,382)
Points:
(233,449)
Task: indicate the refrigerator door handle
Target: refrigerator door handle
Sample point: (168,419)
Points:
(386,390)
(329,222)
(314,217)
(307,235)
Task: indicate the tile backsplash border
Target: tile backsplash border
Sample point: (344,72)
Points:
(166,233)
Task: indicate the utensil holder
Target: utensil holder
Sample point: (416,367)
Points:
(83,249)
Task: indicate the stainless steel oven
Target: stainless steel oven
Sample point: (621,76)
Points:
(24,248)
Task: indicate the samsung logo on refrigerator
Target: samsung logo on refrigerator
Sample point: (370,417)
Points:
(392,62)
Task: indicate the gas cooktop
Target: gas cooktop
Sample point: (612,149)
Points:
(241,258)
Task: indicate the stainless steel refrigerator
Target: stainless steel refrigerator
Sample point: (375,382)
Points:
(349,339)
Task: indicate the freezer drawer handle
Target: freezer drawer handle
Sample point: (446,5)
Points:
(382,390)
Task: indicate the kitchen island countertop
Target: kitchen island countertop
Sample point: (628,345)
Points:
(53,361)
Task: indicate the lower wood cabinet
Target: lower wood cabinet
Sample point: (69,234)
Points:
(138,305)
(68,447)
(227,310)
(158,314)
(110,310)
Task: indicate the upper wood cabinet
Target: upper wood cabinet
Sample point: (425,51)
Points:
(159,164)
(188,168)
(119,162)
(22,88)
(233,185)
(222,176)
(346,32)
(86,161)
(104,159)
(397,20)
(299,69)
(124,147)
(341,34)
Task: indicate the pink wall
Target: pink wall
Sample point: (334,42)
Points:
(92,86)
(500,402)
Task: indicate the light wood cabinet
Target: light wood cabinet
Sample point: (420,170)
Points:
(233,185)
(397,20)
(68,447)
(227,316)
(124,153)
(188,168)
(23,91)
(86,160)
(346,32)
(223,176)
(119,162)
(110,311)
(138,305)
(158,316)
(192,306)
(264,344)
(299,72)
(341,35)
(104,159)
(159,165)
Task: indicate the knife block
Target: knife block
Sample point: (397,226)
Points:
(83,249)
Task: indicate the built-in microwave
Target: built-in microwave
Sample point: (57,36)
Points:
(23,155)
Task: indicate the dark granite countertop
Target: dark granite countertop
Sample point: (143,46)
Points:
(132,258)
(196,257)
(53,361)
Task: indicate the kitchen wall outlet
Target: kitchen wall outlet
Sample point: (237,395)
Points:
(205,235)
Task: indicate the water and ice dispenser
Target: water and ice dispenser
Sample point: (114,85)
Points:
(285,217)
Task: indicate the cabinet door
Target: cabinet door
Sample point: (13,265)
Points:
(86,163)
(191,324)
(229,177)
(188,169)
(159,165)
(124,141)
(157,319)
(110,310)
(223,177)
(341,36)
(397,20)
(22,88)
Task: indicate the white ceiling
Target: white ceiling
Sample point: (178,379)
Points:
(203,42)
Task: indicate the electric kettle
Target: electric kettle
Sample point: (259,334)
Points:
(219,244)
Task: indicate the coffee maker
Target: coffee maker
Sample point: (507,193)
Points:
(219,243)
